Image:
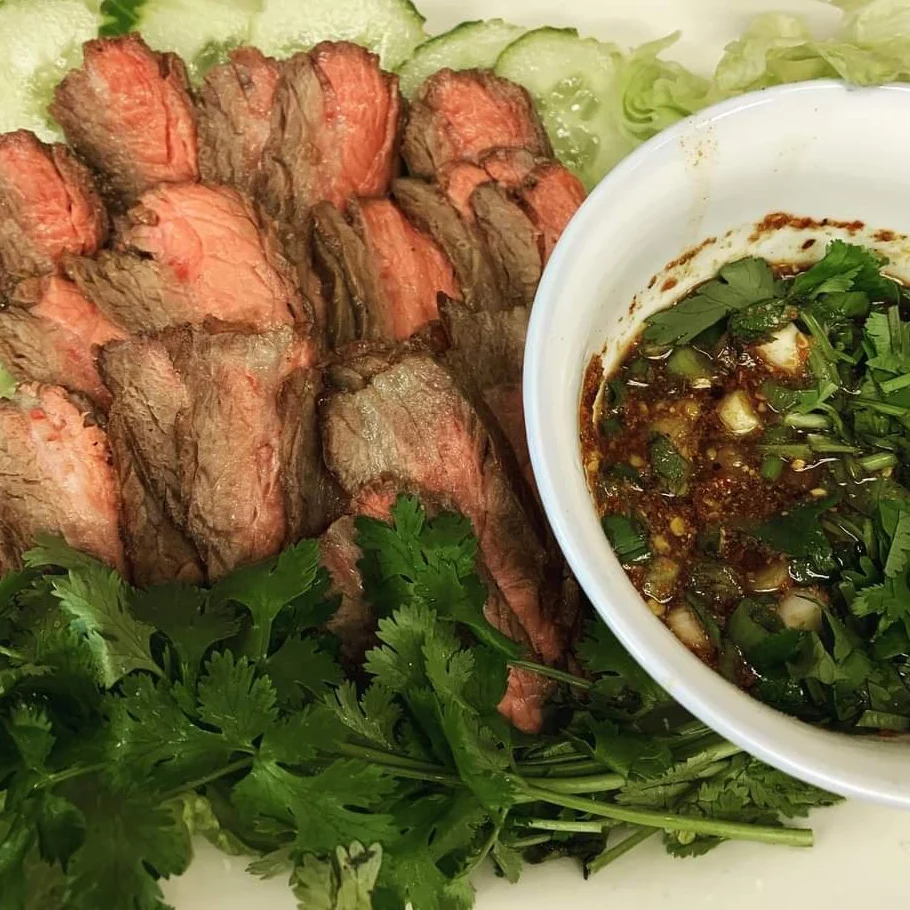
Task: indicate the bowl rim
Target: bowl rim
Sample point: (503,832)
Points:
(770,735)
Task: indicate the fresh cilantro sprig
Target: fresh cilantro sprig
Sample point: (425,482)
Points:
(131,721)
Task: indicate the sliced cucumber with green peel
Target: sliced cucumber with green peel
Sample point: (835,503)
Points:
(469,45)
(40,40)
(201,31)
(389,28)
(575,84)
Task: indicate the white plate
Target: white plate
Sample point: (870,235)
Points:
(862,857)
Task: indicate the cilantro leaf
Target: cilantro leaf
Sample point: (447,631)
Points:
(61,829)
(300,667)
(151,732)
(232,699)
(373,717)
(96,598)
(183,613)
(344,882)
(738,285)
(797,532)
(323,810)
(846,267)
(758,321)
(129,844)
(30,729)
(668,464)
(268,587)
(415,561)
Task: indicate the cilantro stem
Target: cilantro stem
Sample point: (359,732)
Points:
(564,769)
(618,850)
(12,655)
(400,765)
(882,407)
(558,675)
(240,765)
(565,826)
(766,834)
(599,783)
(523,843)
(484,850)
(69,774)
(893,385)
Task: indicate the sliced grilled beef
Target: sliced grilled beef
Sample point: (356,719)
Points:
(48,207)
(513,241)
(405,417)
(157,551)
(312,498)
(551,195)
(462,115)
(49,333)
(230,441)
(459,179)
(487,357)
(509,167)
(55,477)
(349,291)
(148,394)
(235,110)
(411,270)
(427,207)
(353,621)
(189,251)
(128,112)
(133,292)
(334,131)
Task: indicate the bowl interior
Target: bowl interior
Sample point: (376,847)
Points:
(774,174)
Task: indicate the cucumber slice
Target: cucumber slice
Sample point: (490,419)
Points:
(575,82)
(471,44)
(39,41)
(201,31)
(389,28)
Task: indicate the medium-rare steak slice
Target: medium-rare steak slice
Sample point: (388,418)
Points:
(427,207)
(410,268)
(334,131)
(188,252)
(513,242)
(157,551)
(49,333)
(214,243)
(487,357)
(408,419)
(55,477)
(128,113)
(48,207)
(462,115)
(230,441)
(235,110)
(551,195)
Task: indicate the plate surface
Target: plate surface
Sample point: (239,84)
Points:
(862,857)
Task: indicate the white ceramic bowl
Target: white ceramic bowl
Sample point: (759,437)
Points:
(820,150)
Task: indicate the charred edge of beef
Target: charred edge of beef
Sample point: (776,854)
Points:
(431,212)
(157,551)
(513,240)
(312,497)
(234,107)
(348,284)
